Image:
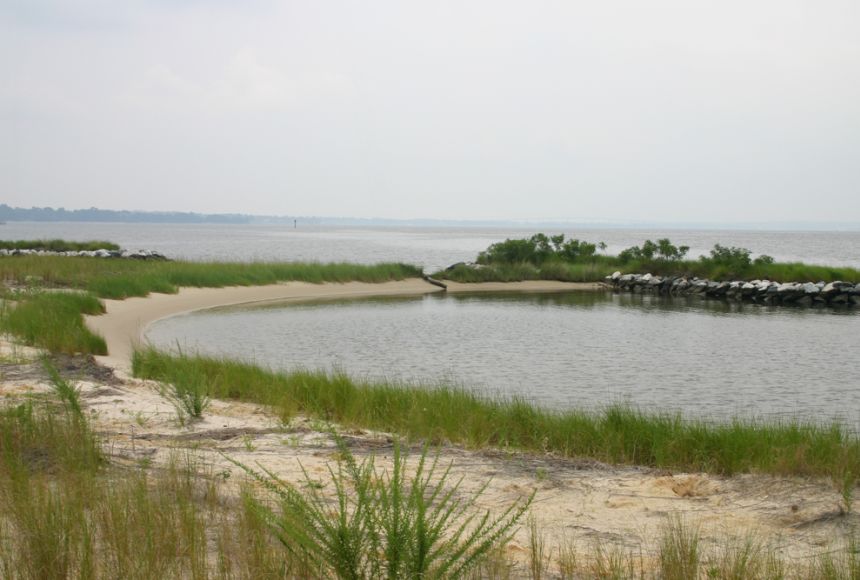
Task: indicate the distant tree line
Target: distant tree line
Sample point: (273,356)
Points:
(49,214)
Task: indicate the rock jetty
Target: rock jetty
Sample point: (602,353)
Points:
(761,291)
(122,254)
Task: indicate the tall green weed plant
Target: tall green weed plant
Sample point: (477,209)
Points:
(384,524)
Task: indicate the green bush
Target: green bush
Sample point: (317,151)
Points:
(539,249)
(543,257)
(663,249)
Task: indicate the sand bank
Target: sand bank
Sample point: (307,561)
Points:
(125,321)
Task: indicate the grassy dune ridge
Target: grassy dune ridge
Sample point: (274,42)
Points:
(120,279)
(619,435)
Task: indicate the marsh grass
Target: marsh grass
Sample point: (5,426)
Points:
(188,397)
(840,564)
(53,321)
(65,512)
(35,438)
(539,557)
(618,434)
(65,391)
(679,550)
(741,558)
(567,557)
(680,555)
(845,483)
(615,563)
(124,278)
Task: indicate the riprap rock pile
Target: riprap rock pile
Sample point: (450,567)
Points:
(763,291)
(126,254)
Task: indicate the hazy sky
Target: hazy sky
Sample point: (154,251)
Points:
(620,110)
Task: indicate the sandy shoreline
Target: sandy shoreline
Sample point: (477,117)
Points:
(619,507)
(125,321)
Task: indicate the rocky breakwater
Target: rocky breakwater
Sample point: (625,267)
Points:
(761,291)
(122,254)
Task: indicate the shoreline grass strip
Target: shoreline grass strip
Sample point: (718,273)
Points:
(618,435)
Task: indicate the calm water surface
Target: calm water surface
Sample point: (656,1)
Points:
(562,350)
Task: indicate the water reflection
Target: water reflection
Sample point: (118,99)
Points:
(708,358)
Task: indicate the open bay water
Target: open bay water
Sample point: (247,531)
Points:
(561,350)
(432,248)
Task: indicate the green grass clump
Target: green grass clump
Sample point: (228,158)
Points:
(38,437)
(68,394)
(52,320)
(57,245)
(43,530)
(34,437)
(66,513)
(619,434)
(190,399)
(384,524)
(680,556)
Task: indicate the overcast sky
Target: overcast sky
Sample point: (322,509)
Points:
(618,110)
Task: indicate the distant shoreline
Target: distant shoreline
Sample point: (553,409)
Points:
(11,214)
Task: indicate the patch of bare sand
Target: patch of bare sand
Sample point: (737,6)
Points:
(624,507)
